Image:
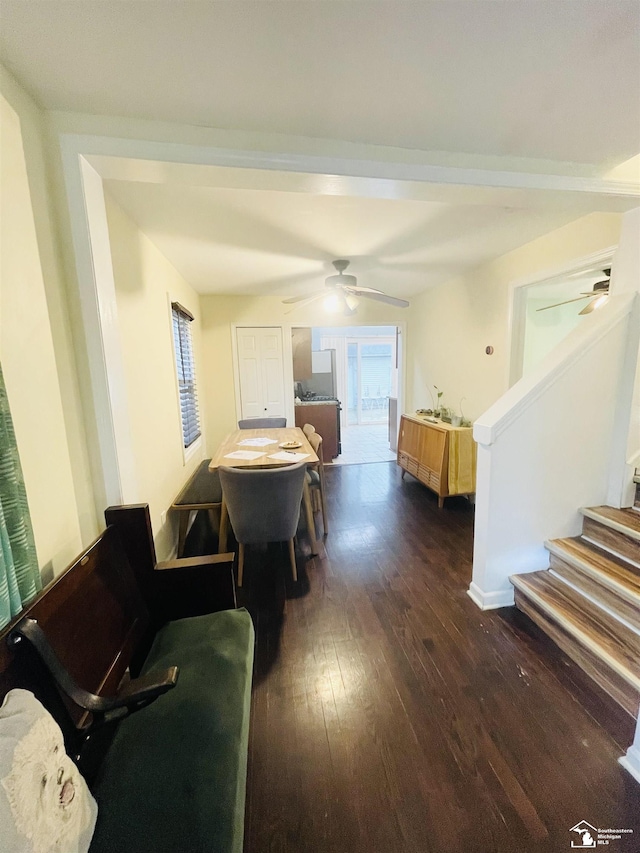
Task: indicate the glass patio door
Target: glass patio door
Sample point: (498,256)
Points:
(369,379)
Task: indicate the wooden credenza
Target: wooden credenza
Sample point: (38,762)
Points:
(441,456)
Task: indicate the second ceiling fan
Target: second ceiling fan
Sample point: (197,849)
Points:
(342,293)
(598,295)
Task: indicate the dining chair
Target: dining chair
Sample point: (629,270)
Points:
(262,423)
(308,429)
(315,476)
(263,506)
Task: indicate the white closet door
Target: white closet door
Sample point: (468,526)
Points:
(261,372)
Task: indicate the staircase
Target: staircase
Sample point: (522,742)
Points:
(588,600)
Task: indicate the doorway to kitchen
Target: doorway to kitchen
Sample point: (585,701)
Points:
(359,368)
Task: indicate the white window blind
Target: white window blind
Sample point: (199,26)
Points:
(186,373)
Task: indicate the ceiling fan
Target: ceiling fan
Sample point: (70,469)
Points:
(598,295)
(343,294)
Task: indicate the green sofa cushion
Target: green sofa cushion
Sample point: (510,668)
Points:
(174,777)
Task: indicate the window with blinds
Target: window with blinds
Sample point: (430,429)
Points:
(186,373)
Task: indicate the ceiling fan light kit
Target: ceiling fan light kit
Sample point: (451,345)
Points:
(596,303)
(344,296)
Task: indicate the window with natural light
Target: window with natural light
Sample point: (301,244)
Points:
(185,367)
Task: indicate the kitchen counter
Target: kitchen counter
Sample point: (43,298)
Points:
(324,415)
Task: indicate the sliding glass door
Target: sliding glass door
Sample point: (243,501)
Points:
(369,379)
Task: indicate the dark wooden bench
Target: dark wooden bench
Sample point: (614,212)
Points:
(117,624)
(201,493)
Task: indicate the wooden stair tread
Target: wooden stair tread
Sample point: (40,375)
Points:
(626,521)
(613,642)
(612,570)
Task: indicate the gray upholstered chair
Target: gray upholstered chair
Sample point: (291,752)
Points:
(263,506)
(262,423)
(315,476)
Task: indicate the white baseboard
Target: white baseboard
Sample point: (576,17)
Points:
(491,600)
(631,762)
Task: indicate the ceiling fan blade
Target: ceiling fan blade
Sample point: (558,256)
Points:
(567,301)
(309,299)
(363,290)
(302,297)
(382,297)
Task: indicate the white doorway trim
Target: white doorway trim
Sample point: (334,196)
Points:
(104,392)
(88,158)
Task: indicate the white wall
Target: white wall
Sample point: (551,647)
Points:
(545,449)
(146,284)
(545,329)
(625,278)
(31,369)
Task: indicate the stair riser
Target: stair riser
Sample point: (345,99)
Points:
(624,606)
(614,541)
(609,680)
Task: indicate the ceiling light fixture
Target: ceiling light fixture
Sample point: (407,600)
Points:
(332,304)
(597,303)
(344,293)
(352,302)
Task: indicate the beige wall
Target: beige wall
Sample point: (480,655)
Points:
(451,325)
(32,366)
(448,327)
(146,283)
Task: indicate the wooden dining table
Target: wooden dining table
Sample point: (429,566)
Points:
(259,455)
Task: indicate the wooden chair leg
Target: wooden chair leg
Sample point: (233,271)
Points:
(240,562)
(323,504)
(311,528)
(222,534)
(292,557)
(183,524)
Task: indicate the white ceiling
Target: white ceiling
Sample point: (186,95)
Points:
(556,83)
(547,79)
(248,241)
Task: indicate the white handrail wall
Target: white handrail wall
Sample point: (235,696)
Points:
(547,446)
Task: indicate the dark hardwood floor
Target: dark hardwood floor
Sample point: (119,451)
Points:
(390,714)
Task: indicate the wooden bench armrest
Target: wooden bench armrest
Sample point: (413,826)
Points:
(135,694)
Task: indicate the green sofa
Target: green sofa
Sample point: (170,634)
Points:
(174,777)
(171,777)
